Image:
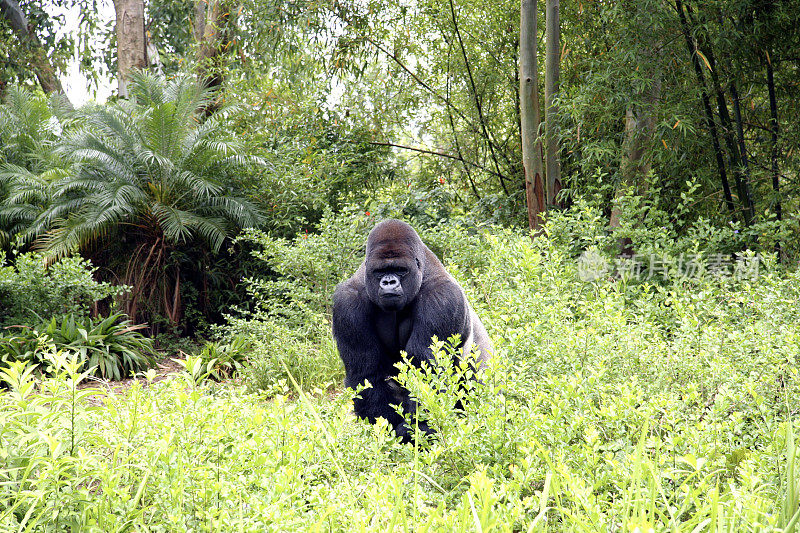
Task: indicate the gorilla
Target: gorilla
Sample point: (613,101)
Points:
(398,299)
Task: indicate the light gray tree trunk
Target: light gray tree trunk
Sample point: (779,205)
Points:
(640,125)
(551,78)
(218,24)
(535,194)
(131,41)
(199,19)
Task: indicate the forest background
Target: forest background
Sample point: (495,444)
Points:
(668,116)
(614,183)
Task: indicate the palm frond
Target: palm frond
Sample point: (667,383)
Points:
(195,186)
(70,235)
(213,230)
(174,223)
(239,210)
(148,160)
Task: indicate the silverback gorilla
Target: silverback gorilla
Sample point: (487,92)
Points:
(399,298)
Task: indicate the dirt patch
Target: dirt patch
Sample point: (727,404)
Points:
(164,368)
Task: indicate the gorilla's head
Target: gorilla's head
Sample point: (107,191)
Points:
(394,265)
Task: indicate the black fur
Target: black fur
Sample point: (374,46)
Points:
(399,298)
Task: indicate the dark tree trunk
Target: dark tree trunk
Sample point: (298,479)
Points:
(773,119)
(709,114)
(739,172)
(40,63)
(737,113)
(727,135)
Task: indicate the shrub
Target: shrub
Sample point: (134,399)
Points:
(224,359)
(112,346)
(289,329)
(280,353)
(31,291)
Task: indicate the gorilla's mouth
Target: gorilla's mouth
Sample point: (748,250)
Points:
(390,295)
(391,301)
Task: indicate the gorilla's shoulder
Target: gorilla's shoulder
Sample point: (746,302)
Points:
(353,286)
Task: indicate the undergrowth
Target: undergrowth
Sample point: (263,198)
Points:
(613,404)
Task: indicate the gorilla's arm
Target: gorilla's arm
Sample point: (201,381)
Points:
(359,348)
(441,310)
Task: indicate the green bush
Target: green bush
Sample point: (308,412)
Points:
(289,328)
(223,360)
(31,291)
(612,404)
(280,353)
(112,347)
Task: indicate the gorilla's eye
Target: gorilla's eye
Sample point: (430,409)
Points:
(397,271)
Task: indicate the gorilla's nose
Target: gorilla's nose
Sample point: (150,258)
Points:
(390,284)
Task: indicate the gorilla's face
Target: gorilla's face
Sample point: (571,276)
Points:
(393,266)
(393,284)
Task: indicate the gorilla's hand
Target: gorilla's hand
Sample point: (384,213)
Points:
(406,432)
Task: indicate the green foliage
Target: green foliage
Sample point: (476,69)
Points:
(289,326)
(317,159)
(280,353)
(151,182)
(30,128)
(150,163)
(45,21)
(109,347)
(222,360)
(611,404)
(31,291)
(45,431)
(307,267)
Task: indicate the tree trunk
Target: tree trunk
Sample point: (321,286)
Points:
(637,145)
(40,63)
(709,115)
(640,124)
(131,41)
(551,78)
(727,133)
(199,28)
(529,116)
(748,198)
(773,119)
(217,31)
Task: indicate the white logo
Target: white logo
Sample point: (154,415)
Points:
(592,265)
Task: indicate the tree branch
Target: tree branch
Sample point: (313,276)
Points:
(477,99)
(434,152)
(40,63)
(453,126)
(427,87)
